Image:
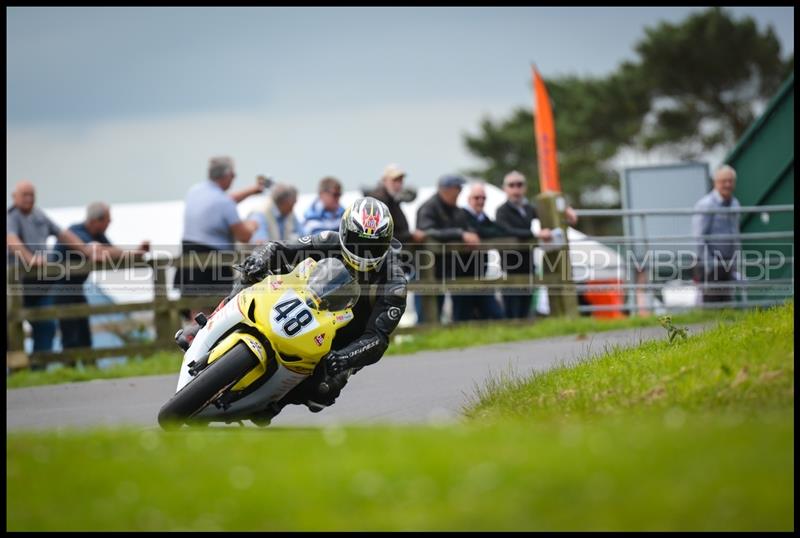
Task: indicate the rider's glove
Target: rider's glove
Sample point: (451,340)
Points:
(257,265)
(336,363)
(330,386)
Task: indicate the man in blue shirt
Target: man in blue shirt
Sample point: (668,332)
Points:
(717,257)
(211,223)
(325,213)
(75,332)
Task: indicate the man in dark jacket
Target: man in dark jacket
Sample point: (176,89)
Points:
(481,306)
(76,332)
(517,214)
(442,220)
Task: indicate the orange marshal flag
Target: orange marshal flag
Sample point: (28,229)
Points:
(545,131)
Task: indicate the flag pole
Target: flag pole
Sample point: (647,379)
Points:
(557,270)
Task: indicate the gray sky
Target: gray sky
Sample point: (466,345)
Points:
(128,104)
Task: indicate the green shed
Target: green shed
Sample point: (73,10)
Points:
(764,163)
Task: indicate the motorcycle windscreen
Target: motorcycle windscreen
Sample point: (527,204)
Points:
(332,286)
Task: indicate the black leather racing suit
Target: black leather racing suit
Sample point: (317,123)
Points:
(376,314)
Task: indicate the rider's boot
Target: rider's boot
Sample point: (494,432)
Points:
(297,396)
(264,418)
(323,393)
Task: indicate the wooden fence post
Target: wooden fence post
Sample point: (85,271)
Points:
(557,267)
(165,318)
(15,351)
(427,278)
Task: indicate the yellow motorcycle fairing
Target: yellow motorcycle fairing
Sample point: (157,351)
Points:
(227,343)
(299,334)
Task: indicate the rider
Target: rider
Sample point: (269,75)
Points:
(365,243)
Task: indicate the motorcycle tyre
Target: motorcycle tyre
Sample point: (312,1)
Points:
(219,376)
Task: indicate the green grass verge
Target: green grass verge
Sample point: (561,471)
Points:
(745,365)
(650,474)
(165,362)
(489,333)
(445,338)
(696,435)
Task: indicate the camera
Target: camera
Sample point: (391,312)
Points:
(265,181)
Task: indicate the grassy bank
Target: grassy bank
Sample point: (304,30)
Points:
(445,338)
(696,435)
(744,366)
(653,474)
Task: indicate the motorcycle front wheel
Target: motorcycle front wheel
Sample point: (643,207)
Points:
(210,383)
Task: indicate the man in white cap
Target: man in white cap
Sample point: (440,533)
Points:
(390,192)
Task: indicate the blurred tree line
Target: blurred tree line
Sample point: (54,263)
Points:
(692,88)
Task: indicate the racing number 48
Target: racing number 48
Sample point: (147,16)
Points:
(293,323)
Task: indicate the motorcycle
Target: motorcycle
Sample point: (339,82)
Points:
(261,344)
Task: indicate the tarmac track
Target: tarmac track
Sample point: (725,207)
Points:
(423,388)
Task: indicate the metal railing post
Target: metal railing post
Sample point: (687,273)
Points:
(642,308)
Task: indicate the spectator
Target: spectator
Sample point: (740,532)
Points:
(390,191)
(717,257)
(517,214)
(325,213)
(75,332)
(276,219)
(481,306)
(28,228)
(211,223)
(440,219)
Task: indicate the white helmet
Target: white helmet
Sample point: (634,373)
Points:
(365,232)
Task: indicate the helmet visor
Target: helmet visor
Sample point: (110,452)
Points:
(333,286)
(365,249)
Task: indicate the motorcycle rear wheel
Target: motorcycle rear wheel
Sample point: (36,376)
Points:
(209,384)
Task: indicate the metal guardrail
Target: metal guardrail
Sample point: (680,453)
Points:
(689,239)
(778,208)
(634,288)
(682,308)
(756,284)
